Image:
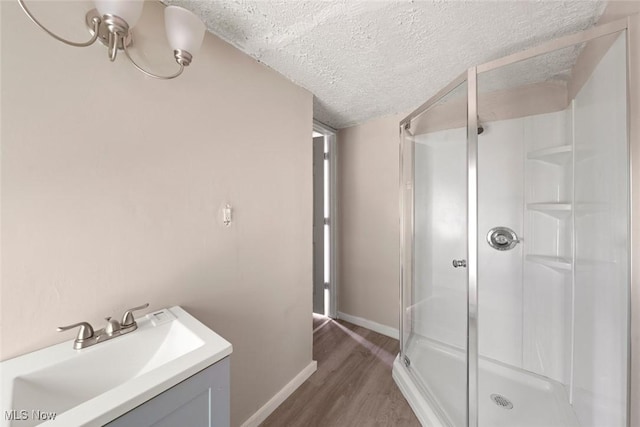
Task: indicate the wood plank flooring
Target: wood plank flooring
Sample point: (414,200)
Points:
(318,320)
(352,386)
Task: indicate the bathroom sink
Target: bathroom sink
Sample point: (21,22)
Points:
(95,385)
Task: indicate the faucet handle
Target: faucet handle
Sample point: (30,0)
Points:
(85,332)
(127,317)
(111,326)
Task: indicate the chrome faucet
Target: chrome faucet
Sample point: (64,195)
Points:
(87,336)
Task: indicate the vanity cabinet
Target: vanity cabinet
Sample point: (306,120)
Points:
(199,401)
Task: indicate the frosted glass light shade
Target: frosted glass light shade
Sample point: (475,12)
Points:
(129,10)
(185,31)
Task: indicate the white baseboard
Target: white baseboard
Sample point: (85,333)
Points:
(286,391)
(370,324)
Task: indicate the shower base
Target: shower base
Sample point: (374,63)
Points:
(434,385)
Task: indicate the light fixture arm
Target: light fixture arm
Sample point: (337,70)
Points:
(113,45)
(155,76)
(184,30)
(96,24)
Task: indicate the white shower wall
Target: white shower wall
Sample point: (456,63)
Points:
(440,290)
(547,235)
(500,190)
(602,245)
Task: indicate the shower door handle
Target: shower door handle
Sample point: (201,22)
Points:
(459,263)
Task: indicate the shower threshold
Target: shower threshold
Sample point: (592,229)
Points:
(434,385)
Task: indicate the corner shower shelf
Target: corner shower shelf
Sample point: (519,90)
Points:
(556,155)
(557,210)
(593,208)
(560,264)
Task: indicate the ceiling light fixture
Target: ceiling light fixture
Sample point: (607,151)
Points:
(112,21)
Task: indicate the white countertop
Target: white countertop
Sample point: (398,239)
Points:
(93,386)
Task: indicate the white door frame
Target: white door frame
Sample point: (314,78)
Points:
(330,135)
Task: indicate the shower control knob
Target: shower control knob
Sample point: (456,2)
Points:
(459,263)
(502,238)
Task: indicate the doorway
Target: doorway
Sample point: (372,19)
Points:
(324,220)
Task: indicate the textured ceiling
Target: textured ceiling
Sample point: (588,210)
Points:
(364,59)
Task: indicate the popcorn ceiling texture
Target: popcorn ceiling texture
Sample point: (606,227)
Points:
(365,59)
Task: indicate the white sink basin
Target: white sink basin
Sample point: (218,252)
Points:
(98,384)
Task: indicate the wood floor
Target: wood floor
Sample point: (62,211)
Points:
(352,386)
(318,320)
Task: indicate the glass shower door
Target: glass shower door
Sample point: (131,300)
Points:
(434,275)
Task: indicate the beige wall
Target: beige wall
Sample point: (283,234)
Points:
(112,184)
(369,221)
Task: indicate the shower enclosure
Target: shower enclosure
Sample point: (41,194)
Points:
(515,241)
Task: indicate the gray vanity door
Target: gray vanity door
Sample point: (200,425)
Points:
(199,401)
